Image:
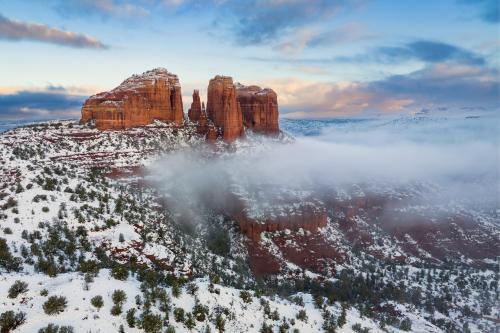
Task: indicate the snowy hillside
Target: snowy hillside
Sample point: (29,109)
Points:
(86,214)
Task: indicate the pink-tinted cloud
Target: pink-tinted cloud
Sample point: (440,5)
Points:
(435,86)
(17,31)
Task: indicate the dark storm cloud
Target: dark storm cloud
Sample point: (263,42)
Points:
(55,102)
(17,31)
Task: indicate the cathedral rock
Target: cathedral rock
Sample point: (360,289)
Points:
(259,108)
(137,101)
(156,94)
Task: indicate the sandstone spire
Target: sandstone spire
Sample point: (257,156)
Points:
(223,108)
(195,111)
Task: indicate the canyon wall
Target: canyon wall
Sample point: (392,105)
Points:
(137,101)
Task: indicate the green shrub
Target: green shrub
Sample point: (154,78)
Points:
(190,323)
(405,324)
(119,272)
(119,297)
(302,315)
(151,323)
(54,305)
(51,328)
(131,317)
(89,266)
(7,261)
(220,323)
(116,310)
(17,288)
(246,296)
(97,301)
(9,321)
(45,209)
(179,315)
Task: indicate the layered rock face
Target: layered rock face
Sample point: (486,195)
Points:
(259,108)
(137,101)
(223,108)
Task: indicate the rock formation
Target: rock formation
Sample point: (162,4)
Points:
(223,108)
(137,101)
(194,112)
(259,108)
(156,94)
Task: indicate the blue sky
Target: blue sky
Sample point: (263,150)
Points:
(325,58)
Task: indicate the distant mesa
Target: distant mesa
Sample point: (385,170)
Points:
(156,95)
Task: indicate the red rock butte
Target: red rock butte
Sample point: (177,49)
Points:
(156,94)
(223,108)
(259,107)
(137,101)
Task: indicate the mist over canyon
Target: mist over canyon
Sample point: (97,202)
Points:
(449,158)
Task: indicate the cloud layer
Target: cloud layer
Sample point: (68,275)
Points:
(423,50)
(453,159)
(435,86)
(50,103)
(18,31)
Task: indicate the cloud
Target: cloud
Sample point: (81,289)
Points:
(422,50)
(264,21)
(435,86)
(488,10)
(312,70)
(51,102)
(103,8)
(16,31)
(429,52)
(174,3)
(384,154)
(306,38)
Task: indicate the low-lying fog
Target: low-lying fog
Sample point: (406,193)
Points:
(458,155)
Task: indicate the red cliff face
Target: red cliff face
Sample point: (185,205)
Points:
(223,108)
(140,99)
(259,108)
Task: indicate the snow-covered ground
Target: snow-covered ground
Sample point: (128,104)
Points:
(78,212)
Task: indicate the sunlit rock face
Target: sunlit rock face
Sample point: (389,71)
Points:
(259,108)
(223,108)
(137,101)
